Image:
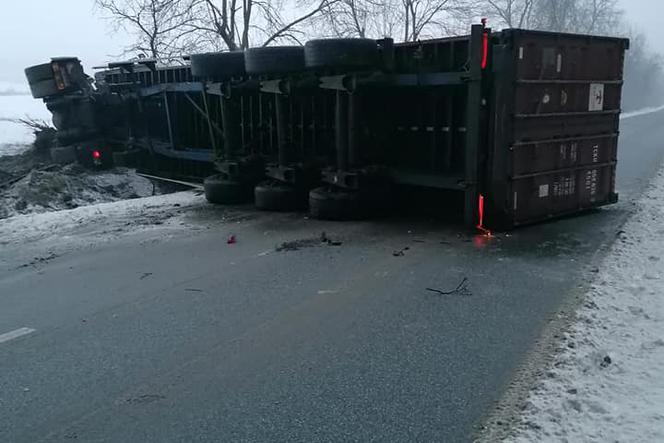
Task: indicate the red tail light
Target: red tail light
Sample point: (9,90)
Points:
(96,155)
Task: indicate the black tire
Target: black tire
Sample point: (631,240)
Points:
(329,203)
(44,88)
(218,65)
(38,73)
(64,155)
(126,159)
(341,53)
(273,195)
(274,60)
(221,191)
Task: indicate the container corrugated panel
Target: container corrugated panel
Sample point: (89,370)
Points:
(557,120)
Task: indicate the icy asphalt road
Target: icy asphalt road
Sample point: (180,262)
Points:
(170,334)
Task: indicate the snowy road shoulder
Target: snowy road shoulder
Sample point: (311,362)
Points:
(607,383)
(98,221)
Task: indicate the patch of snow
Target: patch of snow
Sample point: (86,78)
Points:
(101,219)
(607,383)
(644,111)
(13,136)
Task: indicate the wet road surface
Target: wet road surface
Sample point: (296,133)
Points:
(188,338)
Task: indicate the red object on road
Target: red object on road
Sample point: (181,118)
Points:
(231,240)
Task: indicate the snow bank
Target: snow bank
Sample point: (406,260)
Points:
(608,383)
(101,220)
(644,111)
(70,187)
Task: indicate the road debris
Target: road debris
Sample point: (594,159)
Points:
(325,239)
(461,289)
(40,260)
(295,245)
(401,252)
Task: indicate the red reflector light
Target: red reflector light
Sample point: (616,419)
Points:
(485,49)
(480,225)
(96,155)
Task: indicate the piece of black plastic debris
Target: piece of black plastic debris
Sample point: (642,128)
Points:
(401,252)
(461,289)
(145,275)
(193,290)
(606,361)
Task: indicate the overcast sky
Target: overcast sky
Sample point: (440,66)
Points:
(32,31)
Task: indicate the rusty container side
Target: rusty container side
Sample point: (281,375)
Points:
(556,123)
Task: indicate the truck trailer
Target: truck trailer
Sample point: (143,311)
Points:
(519,126)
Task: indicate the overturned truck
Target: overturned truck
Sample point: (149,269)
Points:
(517,126)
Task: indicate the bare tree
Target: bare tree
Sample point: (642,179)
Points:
(167,29)
(512,13)
(421,17)
(361,18)
(162,28)
(583,16)
(407,20)
(238,23)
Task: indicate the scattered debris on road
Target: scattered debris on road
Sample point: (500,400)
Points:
(295,245)
(401,252)
(40,260)
(461,289)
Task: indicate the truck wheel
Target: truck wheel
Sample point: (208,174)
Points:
(274,59)
(273,195)
(37,73)
(329,203)
(341,53)
(221,191)
(44,88)
(126,159)
(218,65)
(64,155)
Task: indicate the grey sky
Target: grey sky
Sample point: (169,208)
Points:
(32,31)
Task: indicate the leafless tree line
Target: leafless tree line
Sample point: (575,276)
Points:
(579,16)
(164,29)
(167,29)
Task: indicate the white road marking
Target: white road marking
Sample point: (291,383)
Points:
(15,334)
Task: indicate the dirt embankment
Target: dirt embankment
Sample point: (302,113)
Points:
(29,183)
